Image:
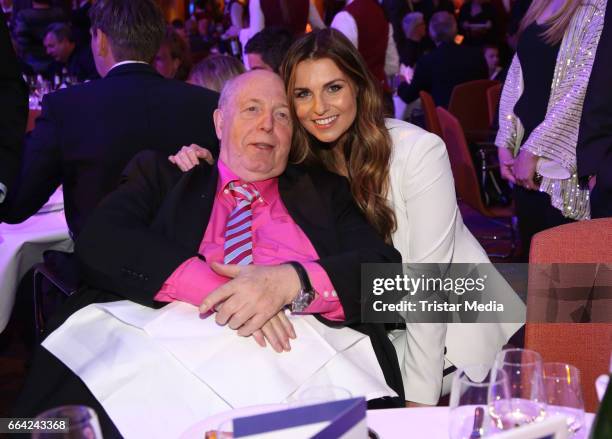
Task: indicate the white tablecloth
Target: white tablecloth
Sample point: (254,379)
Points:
(22,246)
(413,423)
(430,423)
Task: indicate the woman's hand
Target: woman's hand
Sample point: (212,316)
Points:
(278,331)
(506,162)
(189,157)
(525,170)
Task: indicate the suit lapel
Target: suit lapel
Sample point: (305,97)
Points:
(308,209)
(193,199)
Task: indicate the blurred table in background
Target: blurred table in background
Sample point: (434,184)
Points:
(22,246)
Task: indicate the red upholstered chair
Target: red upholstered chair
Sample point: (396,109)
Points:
(585,345)
(493,95)
(431,116)
(469,104)
(466,179)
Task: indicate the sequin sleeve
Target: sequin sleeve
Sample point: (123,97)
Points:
(509,134)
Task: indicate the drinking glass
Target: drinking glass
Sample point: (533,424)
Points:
(82,423)
(527,401)
(469,401)
(564,394)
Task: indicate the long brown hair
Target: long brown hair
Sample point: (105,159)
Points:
(558,22)
(364,150)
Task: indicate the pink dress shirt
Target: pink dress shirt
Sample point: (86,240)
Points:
(276,239)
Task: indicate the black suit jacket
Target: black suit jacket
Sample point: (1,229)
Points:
(594,149)
(87,134)
(13,108)
(440,70)
(157,217)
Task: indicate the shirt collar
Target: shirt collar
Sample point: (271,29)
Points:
(128,61)
(268,189)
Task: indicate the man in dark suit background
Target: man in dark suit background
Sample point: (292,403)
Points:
(163,228)
(86,134)
(594,149)
(13,110)
(448,65)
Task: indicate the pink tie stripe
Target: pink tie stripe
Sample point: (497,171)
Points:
(238,247)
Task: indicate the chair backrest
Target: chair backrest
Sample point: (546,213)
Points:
(431,116)
(585,345)
(468,103)
(493,95)
(462,165)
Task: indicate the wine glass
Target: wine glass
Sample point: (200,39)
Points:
(82,423)
(471,393)
(527,401)
(563,394)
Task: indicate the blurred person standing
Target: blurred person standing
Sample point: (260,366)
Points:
(594,149)
(476,22)
(70,59)
(13,110)
(430,7)
(267,49)
(173,59)
(359,21)
(448,65)
(30,28)
(540,112)
(80,22)
(292,15)
(213,72)
(86,135)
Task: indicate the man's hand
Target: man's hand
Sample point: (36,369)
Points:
(506,162)
(253,296)
(278,330)
(189,157)
(525,170)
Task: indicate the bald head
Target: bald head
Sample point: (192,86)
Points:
(246,81)
(254,126)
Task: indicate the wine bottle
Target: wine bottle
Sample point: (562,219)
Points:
(602,425)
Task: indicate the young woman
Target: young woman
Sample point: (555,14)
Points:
(540,111)
(401,179)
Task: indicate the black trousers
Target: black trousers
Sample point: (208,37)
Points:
(535,213)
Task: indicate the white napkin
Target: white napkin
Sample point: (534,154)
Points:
(158,371)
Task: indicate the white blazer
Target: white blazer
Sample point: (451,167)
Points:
(430,229)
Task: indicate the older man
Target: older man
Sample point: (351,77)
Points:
(69,58)
(245,238)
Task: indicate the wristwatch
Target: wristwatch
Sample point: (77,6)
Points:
(306,294)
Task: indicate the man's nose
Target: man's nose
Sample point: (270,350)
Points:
(266,121)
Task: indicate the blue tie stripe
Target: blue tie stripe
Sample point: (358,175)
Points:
(230,257)
(239,218)
(237,229)
(237,239)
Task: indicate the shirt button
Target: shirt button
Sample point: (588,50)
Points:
(325,293)
(226,191)
(244,185)
(334,293)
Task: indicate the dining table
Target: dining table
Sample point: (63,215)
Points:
(22,246)
(402,423)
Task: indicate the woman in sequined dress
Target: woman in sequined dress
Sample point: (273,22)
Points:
(540,112)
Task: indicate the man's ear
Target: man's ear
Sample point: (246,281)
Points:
(100,43)
(218,119)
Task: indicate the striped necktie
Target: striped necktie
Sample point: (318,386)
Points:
(238,247)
